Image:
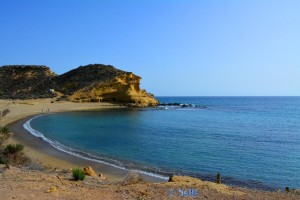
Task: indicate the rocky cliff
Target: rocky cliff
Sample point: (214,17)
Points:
(91,83)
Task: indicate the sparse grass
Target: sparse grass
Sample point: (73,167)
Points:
(26,103)
(78,174)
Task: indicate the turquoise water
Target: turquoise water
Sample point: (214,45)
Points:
(251,141)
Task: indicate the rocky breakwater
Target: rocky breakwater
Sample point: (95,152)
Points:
(90,83)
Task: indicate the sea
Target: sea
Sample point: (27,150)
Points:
(252,142)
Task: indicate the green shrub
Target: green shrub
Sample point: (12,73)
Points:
(4,130)
(13,154)
(13,149)
(78,174)
(3,160)
(4,134)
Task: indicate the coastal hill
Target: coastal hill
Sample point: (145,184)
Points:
(26,82)
(90,83)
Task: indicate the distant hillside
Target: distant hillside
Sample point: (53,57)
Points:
(91,83)
(26,82)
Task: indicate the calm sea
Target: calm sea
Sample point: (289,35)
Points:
(250,141)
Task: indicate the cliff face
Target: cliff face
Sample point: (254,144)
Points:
(91,83)
(85,76)
(122,88)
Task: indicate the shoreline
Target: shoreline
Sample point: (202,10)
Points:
(38,149)
(22,182)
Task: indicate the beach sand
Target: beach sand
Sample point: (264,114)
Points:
(37,149)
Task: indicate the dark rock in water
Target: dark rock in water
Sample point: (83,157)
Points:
(170,104)
(186,105)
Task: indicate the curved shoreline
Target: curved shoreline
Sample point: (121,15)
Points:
(43,151)
(120,165)
(85,155)
(38,148)
(23,110)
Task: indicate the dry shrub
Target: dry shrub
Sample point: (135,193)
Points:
(13,154)
(5,112)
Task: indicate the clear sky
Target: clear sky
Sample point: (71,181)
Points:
(179,48)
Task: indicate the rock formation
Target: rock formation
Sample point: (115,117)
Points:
(91,83)
(89,171)
(132,178)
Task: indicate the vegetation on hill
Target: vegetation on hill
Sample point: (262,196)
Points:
(25,82)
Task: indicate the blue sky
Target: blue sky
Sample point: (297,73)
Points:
(181,48)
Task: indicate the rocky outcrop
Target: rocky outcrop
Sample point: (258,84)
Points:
(98,83)
(85,76)
(124,88)
(89,171)
(184,179)
(132,178)
(91,83)
(188,182)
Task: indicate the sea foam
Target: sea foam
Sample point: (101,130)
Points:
(80,154)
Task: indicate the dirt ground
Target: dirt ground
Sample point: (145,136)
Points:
(22,183)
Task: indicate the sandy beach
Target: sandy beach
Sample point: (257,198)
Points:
(22,108)
(37,149)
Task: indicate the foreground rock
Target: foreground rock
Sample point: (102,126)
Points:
(91,83)
(89,171)
(132,178)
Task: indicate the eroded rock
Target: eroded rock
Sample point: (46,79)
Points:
(132,178)
(89,171)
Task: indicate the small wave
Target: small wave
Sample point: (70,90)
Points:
(80,154)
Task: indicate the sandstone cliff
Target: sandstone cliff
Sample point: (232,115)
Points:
(91,83)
